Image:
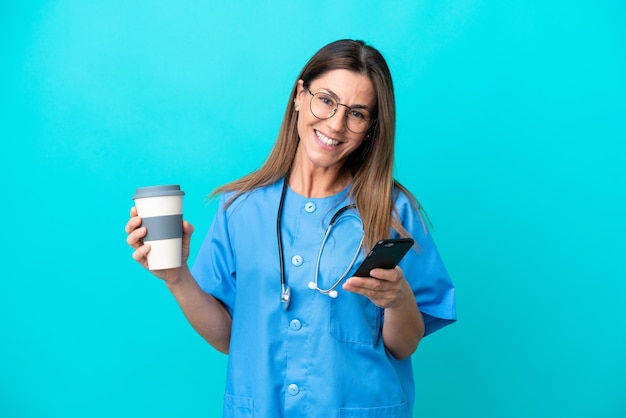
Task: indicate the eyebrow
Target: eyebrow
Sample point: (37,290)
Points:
(356,106)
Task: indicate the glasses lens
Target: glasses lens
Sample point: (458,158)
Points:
(358,120)
(323,106)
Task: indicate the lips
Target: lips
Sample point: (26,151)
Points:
(326,140)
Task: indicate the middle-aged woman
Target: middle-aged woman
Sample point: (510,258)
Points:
(259,289)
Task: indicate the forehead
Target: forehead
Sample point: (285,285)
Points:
(348,86)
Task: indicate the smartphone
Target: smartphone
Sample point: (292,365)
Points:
(386,254)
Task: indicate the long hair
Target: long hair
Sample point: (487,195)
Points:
(371,165)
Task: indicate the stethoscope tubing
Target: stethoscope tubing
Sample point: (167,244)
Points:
(331,290)
(285,291)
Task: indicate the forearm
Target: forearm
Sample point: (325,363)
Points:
(206,314)
(403,328)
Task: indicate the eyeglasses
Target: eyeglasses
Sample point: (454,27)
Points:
(324,106)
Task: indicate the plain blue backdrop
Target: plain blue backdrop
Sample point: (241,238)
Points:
(511,131)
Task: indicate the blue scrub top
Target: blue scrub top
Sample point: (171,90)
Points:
(322,357)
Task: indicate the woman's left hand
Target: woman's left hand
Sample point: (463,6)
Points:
(388,289)
(385,288)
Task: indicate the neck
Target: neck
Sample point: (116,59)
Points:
(318,183)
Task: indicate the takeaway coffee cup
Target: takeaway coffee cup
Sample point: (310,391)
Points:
(161,212)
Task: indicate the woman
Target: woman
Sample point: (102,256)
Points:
(260,286)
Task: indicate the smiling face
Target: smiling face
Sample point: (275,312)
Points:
(327,143)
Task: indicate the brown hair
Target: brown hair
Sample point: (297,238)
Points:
(371,165)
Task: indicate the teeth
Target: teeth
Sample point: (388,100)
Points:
(326,140)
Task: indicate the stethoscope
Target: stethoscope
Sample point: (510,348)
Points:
(285,293)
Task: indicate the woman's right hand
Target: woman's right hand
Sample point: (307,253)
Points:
(206,314)
(136,232)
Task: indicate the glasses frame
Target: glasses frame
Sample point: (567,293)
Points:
(370,122)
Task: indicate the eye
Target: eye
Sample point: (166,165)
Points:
(356,114)
(325,100)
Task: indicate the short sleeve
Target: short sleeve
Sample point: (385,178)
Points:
(214,267)
(423,267)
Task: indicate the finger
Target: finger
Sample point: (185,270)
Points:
(133,211)
(187,228)
(379,298)
(363,285)
(187,231)
(133,223)
(391,275)
(134,238)
(141,253)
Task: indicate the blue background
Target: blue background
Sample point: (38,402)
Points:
(511,131)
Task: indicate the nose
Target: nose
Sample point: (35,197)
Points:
(337,122)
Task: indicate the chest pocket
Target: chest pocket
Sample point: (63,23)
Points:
(395,411)
(354,319)
(238,406)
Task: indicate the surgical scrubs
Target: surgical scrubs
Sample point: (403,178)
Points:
(321,357)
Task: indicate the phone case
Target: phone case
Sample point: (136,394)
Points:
(386,254)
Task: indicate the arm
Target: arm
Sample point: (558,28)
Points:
(403,327)
(206,314)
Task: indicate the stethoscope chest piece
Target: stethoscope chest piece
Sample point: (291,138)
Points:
(285,297)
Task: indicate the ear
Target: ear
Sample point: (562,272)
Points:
(300,94)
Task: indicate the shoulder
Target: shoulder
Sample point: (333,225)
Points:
(404,201)
(409,211)
(233,202)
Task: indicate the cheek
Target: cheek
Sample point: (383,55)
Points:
(305,122)
(355,144)
(300,125)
